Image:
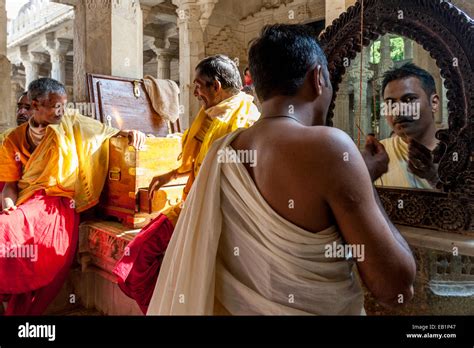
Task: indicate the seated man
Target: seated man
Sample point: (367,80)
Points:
(262,239)
(23,114)
(410,88)
(53,167)
(224,109)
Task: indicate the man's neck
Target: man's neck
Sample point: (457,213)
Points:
(428,138)
(224,96)
(288,106)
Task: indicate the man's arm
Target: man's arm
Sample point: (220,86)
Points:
(388,269)
(158,181)
(9,197)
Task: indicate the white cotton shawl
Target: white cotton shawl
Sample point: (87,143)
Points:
(232,253)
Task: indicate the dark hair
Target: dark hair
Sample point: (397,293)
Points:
(281,57)
(41,88)
(222,69)
(410,70)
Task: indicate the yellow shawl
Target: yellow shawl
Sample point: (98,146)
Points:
(238,111)
(398,174)
(71,161)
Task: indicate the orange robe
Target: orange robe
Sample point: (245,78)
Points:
(63,176)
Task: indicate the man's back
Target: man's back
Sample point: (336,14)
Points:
(292,164)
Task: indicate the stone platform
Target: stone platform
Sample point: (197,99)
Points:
(444,282)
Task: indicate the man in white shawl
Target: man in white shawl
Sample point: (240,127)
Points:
(279,232)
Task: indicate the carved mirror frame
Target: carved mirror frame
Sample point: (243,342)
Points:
(447,34)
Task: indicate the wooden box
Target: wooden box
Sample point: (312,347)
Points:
(124,103)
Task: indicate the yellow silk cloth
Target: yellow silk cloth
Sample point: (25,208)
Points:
(238,111)
(71,160)
(398,174)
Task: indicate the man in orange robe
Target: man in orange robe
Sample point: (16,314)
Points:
(23,114)
(224,109)
(53,167)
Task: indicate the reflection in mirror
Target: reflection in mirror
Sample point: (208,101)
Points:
(404,113)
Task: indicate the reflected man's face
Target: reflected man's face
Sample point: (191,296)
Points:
(410,91)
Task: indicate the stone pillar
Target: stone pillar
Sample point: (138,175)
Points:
(386,63)
(191,51)
(57,49)
(17,86)
(6,112)
(342,111)
(31,61)
(362,118)
(164,65)
(108,39)
(408,48)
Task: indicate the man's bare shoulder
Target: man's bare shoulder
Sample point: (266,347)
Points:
(322,142)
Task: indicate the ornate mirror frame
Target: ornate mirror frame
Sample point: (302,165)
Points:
(447,34)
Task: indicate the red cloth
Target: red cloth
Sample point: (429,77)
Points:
(2,185)
(138,269)
(44,232)
(247,80)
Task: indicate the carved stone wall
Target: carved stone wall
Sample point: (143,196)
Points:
(233,37)
(444,286)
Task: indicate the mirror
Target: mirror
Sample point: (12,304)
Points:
(411,109)
(446,32)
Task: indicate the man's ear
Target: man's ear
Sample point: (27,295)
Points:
(34,104)
(434,102)
(318,80)
(217,85)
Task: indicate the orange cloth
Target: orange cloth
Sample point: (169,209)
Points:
(71,161)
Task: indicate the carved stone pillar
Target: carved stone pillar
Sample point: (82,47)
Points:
(385,64)
(408,48)
(31,61)
(164,65)
(342,118)
(57,49)
(108,39)
(191,51)
(192,21)
(362,113)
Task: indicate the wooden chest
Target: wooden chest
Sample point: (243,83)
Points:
(124,104)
